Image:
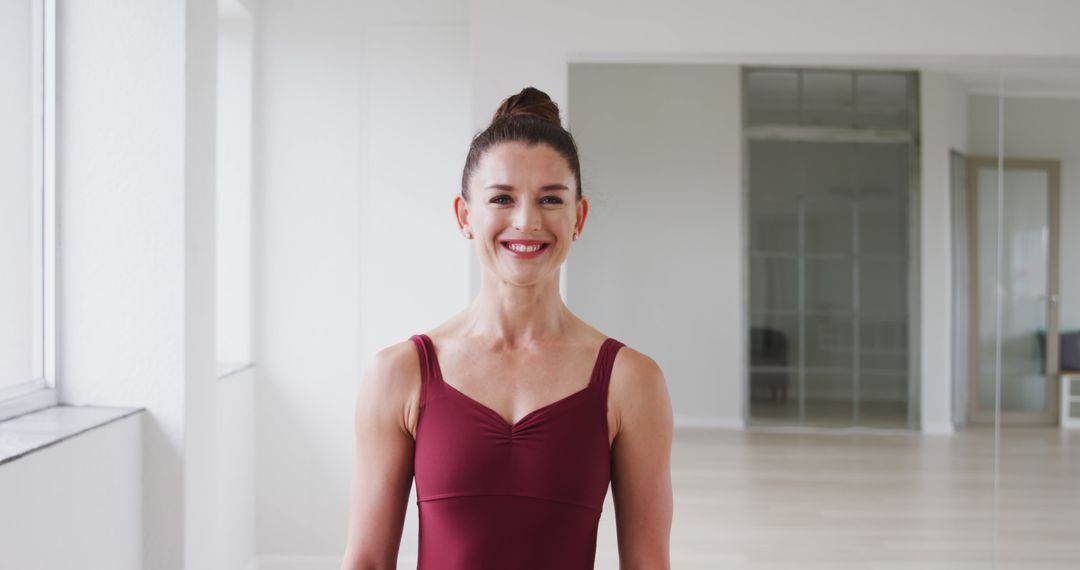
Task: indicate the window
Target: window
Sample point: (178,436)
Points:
(27,370)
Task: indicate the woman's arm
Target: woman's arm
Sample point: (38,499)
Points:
(383,473)
(641,465)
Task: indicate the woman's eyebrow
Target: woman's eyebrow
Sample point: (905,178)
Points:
(545,188)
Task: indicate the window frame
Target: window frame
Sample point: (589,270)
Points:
(42,390)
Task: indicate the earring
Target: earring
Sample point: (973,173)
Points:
(575,236)
(468,234)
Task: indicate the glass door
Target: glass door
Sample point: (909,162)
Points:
(829,283)
(831,163)
(1018,303)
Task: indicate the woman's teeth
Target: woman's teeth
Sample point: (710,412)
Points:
(524,248)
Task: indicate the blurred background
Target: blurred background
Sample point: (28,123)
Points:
(846,231)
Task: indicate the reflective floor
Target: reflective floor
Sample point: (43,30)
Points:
(764,500)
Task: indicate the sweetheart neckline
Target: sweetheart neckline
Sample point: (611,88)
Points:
(515,425)
(523,419)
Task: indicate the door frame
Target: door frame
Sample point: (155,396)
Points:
(1053,169)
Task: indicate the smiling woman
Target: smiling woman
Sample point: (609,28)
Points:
(514,415)
(521,209)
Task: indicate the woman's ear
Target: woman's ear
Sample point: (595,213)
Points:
(461,212)
(582,213)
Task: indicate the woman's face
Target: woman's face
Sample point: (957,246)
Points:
(522,197)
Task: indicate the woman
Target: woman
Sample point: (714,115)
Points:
(515,414)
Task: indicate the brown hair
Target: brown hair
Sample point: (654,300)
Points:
(530,117)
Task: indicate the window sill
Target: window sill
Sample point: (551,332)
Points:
(226,369)
(39,429)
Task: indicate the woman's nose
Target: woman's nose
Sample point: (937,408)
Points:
(527,217)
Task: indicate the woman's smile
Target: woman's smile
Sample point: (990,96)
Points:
(525,249)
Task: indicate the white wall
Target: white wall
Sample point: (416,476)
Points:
(363,126)
(135,193)
(120,188)
(76,504)
(200,354)
(1042,128)
(135,186)
(234,171)
(660,262)
(234,398)
(234,478)
(944,127)
(416,134)
(307,313)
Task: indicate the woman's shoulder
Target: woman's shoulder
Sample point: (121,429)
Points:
(637,390)
(395,359)
(632,366)
(632,372)
(393,372)
(392,378)
(630,363)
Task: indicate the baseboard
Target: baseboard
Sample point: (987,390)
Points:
(705,422)
(278,562)
(824,430)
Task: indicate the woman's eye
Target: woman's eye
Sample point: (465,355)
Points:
(505,199)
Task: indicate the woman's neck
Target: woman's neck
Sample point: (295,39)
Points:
(513,315)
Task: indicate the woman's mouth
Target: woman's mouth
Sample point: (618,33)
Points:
(524,250)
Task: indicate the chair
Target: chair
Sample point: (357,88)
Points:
(769,347)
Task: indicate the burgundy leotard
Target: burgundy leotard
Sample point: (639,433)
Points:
(495,496)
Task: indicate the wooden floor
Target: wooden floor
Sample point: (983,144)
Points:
(765,500)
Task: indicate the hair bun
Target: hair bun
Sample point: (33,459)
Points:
(530,102)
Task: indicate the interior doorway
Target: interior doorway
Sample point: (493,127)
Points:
(832,163)
(1013,230)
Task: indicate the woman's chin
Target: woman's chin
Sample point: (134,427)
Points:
(527,278)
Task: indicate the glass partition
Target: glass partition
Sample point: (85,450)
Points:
(830,158)
(1037,194)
